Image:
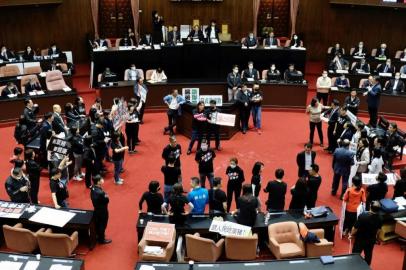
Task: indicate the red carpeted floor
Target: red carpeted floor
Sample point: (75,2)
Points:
(283,136)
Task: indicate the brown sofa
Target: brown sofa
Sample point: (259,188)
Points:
(284,240)
(19,239)
(165,256)
(242,248)
(57,244)
(203,249)
(317,249)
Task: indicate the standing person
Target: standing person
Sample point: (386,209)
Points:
(172,175)
(313,184)
(256,108)
(77,150)
(332,120)
(217,198)
(59,190)
(235,179)
(177,202)
(18,187)
(204,157)
(377,192)
(365,231)
(172,149)
(340,126)
(305,160)
(276,190)
(352,102)
(393,141)
(362,156)
(343,159)
(34,172)
(174,102)
(299,195)
(17,159)
(141,91)
(373,98)
(256,179)
(157,23)
(314,110)
(400,186)
(100,201)
(118,158)
(153,198)
(100,144)
(323,86)
(353,197)
(132,128)
(198,126)
(243,100)
(199,196)
(89,158)
(233,83)
(213,129)
(377,162)
(247,207)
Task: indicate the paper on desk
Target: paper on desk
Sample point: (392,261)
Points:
(32,93)
(67,89)
(42,74)
(40,92)
(147,267)
(31,265)
(385,74)
(9,265)
(400,200)
(52,217)
(60,267)
(157,46)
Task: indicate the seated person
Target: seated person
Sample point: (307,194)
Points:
(100,42)
(361,67)
(393,141)
(147,41)
(28,54)
(395,85)
(212,31)
(403,55)
(271,40)
(247,207)
(402,70)
(132,73)
(342,82)
(32,85)
(158,75)
(199,196)
(126,41)
(273,74)
(174,36)
(367,83)
(377,192)
(386,68)
(250,42)
(339,63)
(337,50)
(54,66)
(54,51)
(250,74)
(382,52)
(11,89)
(153,198)
(291,73)
(196,33)
(108,75)
(131,35)
(6,54)
(295,41)
(360,50)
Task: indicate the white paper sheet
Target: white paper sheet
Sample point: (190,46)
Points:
(52,217)
(60,267)
(8,265)
(31,265)
(147,267)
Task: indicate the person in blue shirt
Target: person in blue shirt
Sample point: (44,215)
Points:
(199,196)
(373,99)
(174,102)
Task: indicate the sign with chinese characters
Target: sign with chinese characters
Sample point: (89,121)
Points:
(159,232)
(59,146)
(227,228)
(191,95)
(207,98)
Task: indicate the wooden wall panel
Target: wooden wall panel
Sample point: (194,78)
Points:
(322,24)
(66,24)
(274,13)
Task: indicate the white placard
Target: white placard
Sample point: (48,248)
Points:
(52,217)
(223,119)
(370,179)
(60,267)
(9,265)
(191,95)
(341,71)
(31,265)
(227,228)
(385,74)
(207,98)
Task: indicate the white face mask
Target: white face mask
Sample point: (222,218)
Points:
(232,166)
(53,48)
(272,68)
(204,147)
(132,68)
(324,75)
(397,77)
(295,37)
(360,46)
(235,71)
(250,67)
(29,50)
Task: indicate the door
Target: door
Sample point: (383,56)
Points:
(115,17)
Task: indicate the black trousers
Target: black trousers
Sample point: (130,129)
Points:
(34,179)
(364,245)
(332,142)
(244,117)
(233,188)
(88,173)
(311,201)
(142,111)
(373,116)
(101,220)
(131,131)
(214,132)
(349,220)
(172,119)
(319,131)
(322,97)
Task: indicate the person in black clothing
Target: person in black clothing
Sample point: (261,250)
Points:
(198,126)
(173,148)
(29,54)
(33,170)
(72,119)
(30,113)
(100,201)
(204,157)
(352,102)
(79,107)
(299,195)
(305,160)
(18,187)
(153,198)
(256,102)
(332,120)
(172,175)
(277,191)
(217,198)
(243,100)
(247,207)
(365,232)
(377,192)
(177,202)
(118,151)
(157,23)
(213,129)
(89,157)
(77,148)
(400,186)
(339,127)
(235,179)
(17,158)
(59,190)
(99,142)
(313,184)
(393,141)
(132,128)
(256,179)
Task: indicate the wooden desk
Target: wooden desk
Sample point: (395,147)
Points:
(45,262)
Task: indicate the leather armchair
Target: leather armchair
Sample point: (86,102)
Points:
(54,80)
(202,249)
(57,244)
(284,240)
(317,249)
(19,239)
(241,248)
(164,257)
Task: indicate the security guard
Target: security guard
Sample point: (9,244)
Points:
(100,201)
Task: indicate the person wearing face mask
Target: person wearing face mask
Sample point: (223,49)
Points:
(256,108)
(382,52)
(293,75)
(174,36)
(196,34)
(295,41)
(141,92)
(393,142)
(32,85)
(204,158)
(147,40)
(342,82)
(373,99)
(6,54)
(212,32)
(198,126)
(28,54)
(402,70)
(271,40)
(250,74)
(157,23)
(361,67)
(273,74)
(54,51)
(337,50)
(233,83)
(250,42)
(323,85)
(174,102)
(11,89)
(395,86)
(213,129)
(173,149)
(339,63)
(385,68)
(158,75)
(360,51)
(352,102)
(243,100)
(126,41)
(132,73)
(235,179)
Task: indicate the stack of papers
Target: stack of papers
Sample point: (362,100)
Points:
(67,89)
(153,250)
(12,95)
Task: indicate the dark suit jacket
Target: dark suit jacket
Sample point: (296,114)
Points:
(352,105)
(334,51)
(233,80)
(250,42)
(146,42)
(253,74)
(29,87)
(199,34)
(126,42)
(382,69)
(333,116)
(43,133)
(9,54)
(342,83)
(29,117)
(343,159)
(172,36)
(58,125)
(102,43)
(273,74)
(399,88)
(374,96)
(6,91)
(57,51)
(28,56)
(208,32)
(346,134)
(379,53)
(268,41)
(301,162)
(364,67)
(363,51)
